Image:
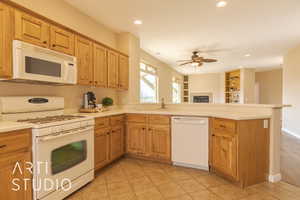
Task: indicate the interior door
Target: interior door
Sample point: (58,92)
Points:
(159,141)
(123,72)
(136,140)
(112,59)
(84,54)
(31,29)
(6,32)
(62,40)
(116,142)
(100,65)
(8,176)
(224,154)
(102,147)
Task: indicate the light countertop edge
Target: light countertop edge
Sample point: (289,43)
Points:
(7,126)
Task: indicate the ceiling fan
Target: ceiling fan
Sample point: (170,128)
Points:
(196,60)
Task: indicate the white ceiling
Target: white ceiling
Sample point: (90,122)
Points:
(266,29)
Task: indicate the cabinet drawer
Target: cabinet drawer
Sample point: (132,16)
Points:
(159,119)
(224,126)
(117,120)
(101,122)
(15,140)
(101,132)
(137,118)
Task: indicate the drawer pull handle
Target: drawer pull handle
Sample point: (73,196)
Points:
(222,126)
(2,146)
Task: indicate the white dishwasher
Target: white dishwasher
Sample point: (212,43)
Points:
(190,142)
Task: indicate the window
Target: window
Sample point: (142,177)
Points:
(176,90)
(148,84)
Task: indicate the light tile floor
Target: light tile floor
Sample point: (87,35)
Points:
(130,179)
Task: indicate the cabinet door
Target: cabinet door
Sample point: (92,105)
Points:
(159,142)
(112,59)
(123,72)
(31,29)
(100,65)
(62,40)
(12,179)
(101,147)
(84,54)
(224,156)
(6,32)
(116,142)
(136,138)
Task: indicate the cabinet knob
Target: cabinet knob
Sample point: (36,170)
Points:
(213,135)
(107,133)
(45,42)
(54,45)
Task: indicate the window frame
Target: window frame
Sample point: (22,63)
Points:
(176,80)
(155,73)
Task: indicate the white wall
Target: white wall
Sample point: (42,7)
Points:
(291,91)
(270,86)
(207,83)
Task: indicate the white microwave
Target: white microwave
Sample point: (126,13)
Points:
(37,64)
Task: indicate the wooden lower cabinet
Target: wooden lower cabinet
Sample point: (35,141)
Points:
(159,142)
(109,140)
(102,147)
(15,184)
(239,150)
(116,142)
(225,154)
(136,138)
(147,139)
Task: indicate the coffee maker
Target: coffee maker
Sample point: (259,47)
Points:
(89,100)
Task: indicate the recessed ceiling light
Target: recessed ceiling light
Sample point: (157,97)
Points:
(221,4)
(248,55)
(138,22)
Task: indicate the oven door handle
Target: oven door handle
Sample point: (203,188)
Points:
(64,134)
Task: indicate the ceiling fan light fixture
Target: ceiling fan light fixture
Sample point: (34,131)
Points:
(138,22)
(195,64)
(221,4)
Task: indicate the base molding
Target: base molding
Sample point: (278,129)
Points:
(290,133)
(275,178)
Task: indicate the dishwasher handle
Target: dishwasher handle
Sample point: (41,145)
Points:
(190,120)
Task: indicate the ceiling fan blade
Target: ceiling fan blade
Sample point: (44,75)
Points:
(200,64)
(186,63)
(207,60)
(183,60)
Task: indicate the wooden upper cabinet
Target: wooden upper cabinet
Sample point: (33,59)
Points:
(62,40)
(6,33)
(159,142)
(224,156)
(116,142)
(112,59)
(100,65)
(123,72)
(31,29)
(84,54)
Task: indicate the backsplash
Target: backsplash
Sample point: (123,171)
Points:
(73,94)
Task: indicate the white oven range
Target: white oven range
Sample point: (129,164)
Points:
(62,145)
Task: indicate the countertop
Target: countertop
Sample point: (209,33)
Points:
(226,115)
(6,126)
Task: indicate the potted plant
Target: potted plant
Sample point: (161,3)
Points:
(106,102)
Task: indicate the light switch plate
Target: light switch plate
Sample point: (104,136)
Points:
(266,123)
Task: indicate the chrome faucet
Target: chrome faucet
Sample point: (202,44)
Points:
(162,105)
